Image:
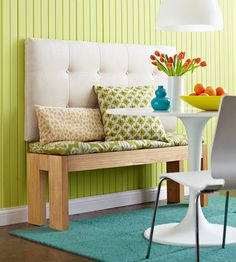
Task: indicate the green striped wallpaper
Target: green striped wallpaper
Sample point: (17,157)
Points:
(123,21)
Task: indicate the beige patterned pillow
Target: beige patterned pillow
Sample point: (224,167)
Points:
(63,124)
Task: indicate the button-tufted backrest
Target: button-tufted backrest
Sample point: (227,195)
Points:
(62,73)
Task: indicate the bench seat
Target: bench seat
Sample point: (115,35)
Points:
(58,168)
(76,148)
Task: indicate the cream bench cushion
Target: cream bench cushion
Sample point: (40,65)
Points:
(63,73)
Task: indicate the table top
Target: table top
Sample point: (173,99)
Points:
(151,112)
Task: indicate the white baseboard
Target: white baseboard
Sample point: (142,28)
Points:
(16,215)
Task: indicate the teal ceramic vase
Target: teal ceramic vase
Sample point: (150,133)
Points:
(160,102)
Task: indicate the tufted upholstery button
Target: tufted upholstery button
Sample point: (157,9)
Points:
(127,73)
(98,72)
(68,71)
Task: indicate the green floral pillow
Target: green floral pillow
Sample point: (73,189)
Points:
(128,127)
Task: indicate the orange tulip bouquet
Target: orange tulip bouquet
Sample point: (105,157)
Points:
(176,65)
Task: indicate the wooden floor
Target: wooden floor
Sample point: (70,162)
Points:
(19,250)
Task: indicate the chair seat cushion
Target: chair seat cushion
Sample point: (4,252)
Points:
(76,147)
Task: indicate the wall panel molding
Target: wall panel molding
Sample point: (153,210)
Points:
(16,215)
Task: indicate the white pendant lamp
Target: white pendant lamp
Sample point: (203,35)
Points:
(189,16)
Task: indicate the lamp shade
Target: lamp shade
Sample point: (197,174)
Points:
(189,16)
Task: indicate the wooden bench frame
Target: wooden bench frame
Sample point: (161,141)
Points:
(58,168)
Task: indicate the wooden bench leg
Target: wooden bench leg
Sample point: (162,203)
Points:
(175,191)
(204,166)
(36,191)
(58,192)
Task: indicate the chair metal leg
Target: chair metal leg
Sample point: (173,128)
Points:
(154,217)
(197,227)
(225,218)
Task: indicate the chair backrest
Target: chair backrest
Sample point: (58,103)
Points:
(223,156)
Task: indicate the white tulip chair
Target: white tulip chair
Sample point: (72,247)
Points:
(222,176)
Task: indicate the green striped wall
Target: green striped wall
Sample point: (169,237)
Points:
(123,21)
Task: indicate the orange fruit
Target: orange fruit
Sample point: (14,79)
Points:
(220,91)
(193,94)
(203,94)
(210,91)
(199,88)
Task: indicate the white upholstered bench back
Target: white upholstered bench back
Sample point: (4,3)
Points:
(62,73)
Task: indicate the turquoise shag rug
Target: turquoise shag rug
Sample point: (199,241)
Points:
(119,237)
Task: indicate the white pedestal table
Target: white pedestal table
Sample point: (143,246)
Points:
(183,233)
